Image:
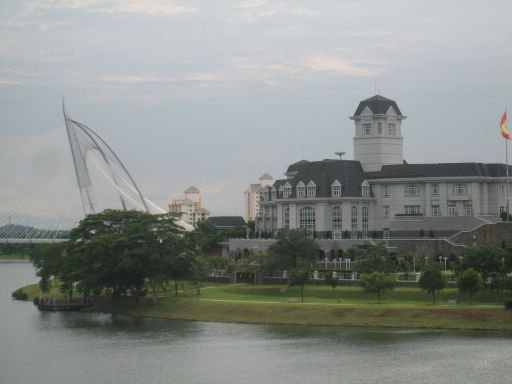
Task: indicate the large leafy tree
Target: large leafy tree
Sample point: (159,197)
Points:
(119,250)
(377,282)
(432,281)
(295,252)
(47,259)
(293,249)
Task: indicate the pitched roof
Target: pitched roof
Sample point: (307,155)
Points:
(323,173)
(192,189)
(378,104)
(440,170)
(226,221)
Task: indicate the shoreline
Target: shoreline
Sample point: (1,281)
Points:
(361,316)
(395,315)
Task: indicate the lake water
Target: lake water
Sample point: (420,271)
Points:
(38,347)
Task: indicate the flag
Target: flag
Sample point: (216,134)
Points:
(503,127)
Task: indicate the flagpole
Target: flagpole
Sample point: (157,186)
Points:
(506,156)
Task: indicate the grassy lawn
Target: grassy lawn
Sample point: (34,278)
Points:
(351,306)
(342,295)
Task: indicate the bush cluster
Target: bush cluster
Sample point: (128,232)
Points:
(19,294)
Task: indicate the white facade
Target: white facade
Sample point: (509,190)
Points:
(253,195)
(379,195)
(190,207)
(378,138)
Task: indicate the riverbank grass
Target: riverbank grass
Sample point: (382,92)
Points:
(349,306)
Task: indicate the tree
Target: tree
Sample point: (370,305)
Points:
(293,249)
(198,272)
(205,237)
(374,258)
(485,259)
(377,282)
(469,282)
(331,278)
(432,281)
(47,259)
(299,276)
(496,283)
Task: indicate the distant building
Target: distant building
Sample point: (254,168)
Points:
(254,194)
(190,207)
(226,222)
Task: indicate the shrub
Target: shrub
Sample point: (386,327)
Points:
(36,300)
(19,295)
(508,304)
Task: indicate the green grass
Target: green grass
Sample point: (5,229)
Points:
(342,295)
(351,306)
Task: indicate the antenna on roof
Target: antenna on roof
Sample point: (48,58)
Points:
(340,154)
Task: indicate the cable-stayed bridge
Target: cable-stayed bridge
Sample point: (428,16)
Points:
(50,183)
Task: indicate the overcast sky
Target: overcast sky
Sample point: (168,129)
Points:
(216,93)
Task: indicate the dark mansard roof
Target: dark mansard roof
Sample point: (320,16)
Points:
(378,104)
(440,170)
(323,173)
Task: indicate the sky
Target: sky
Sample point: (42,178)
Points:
(216,93)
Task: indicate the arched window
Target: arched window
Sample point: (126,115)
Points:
(336,188)
(365,189)
(364,221)
(301,190)
(336,222)
(286,217)
(353,220)
(311,189)
(287,190)
(307,220)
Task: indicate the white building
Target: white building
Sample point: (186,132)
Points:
(379,195)
(190,207)
(253,196)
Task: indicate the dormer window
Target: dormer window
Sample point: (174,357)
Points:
(336,188)
(281,189)
(273,193)
(311,189)
(365,189)
(301,189)
(287,190)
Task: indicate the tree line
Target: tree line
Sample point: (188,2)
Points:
(123,252)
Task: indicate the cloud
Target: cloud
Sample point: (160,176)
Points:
(324,63)
(39,24)
(4,81)
(249,3)
(369,33)
(143,7)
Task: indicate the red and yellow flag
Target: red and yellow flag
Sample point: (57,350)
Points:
(503,127)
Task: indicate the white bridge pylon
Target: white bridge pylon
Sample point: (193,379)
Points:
(83,141)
